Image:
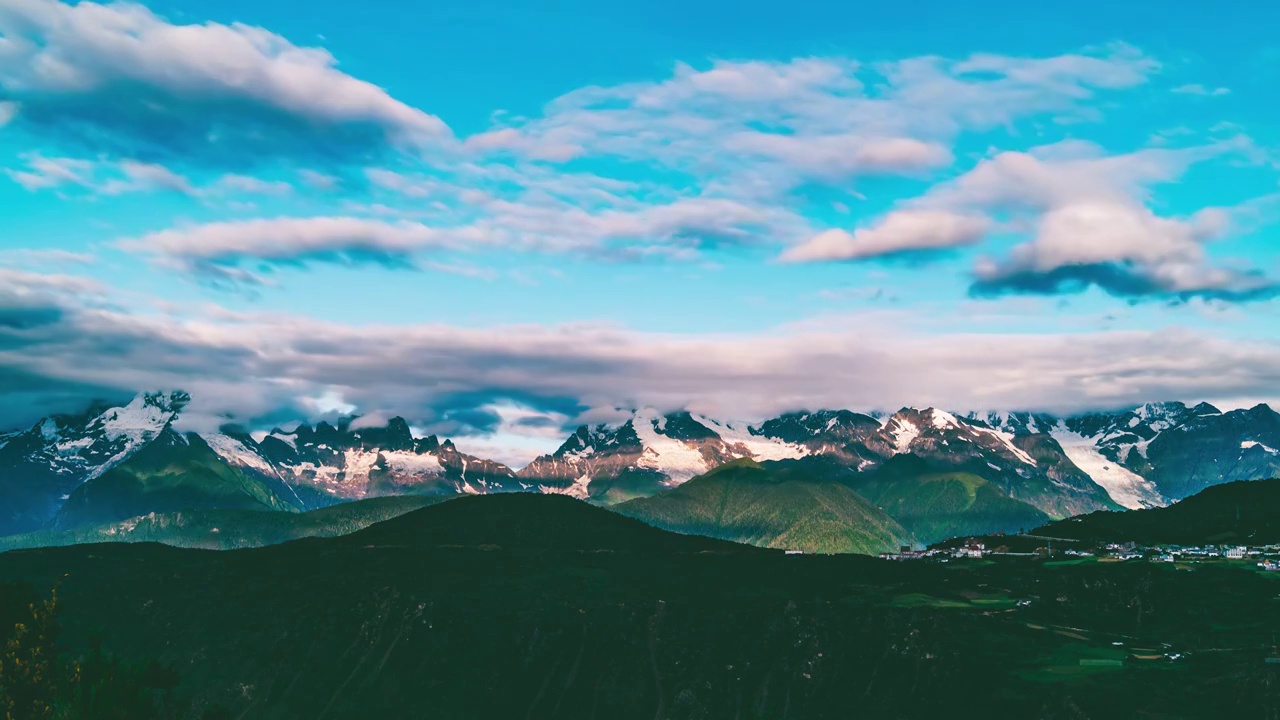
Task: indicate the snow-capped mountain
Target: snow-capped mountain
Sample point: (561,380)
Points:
(42,465)
(1159,452)
(1144,457)
(350,464)
(651,451)
(648,452)
(1061,465)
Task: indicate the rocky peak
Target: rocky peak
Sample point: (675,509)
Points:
(428,444)
(823,425)
(395,436)
(1205,408)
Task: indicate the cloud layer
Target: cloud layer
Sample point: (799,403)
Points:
(270,367)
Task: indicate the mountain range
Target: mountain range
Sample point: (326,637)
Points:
(930,470)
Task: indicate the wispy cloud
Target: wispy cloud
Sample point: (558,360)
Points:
(828,118)
(1197,89)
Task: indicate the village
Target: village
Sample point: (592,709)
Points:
(1265,557)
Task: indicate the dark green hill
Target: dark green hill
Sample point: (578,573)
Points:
(529,521)
(790,504)
(533,606)
(230,529)
(174,472)
(1246,512)
(934,505)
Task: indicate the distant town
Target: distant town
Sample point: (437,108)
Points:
(1265,557)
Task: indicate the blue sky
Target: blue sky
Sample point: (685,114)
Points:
(502,219)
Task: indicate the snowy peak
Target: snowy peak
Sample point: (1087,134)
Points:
(1141,457)
(932,431)
(827,426)
(352,460)
(652,450)
(84,447)
(1016,423)
(42,465)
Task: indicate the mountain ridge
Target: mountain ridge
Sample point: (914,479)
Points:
(1141,457)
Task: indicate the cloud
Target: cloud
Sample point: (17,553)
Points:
(829,118)
(217,250)
(119,79)
(903,231)
(839,156)
(1127,251)
(247,184)
(46,257)
(247,366)
(318,180)
(1088,218)
(8,110)
(106,177)
(1197,89)
(244,252)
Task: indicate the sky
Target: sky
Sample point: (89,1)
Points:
(501,220)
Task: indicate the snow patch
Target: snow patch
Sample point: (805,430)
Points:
(402,461)
(237,453)
(759,447)
(1006,439)
(904,433)
(577,490)
(678,461)
(942,419)
(1125,488)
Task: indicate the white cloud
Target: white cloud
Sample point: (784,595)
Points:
(145,81)
(839,156)
(1197,89)
(43,172)
(252,185)
(104,177)
(812,117)
(8,111)
(139,176)
(318,180)
(101,177)
(224,251)
(45,257)
(903,231)
(1091,224)
(217,247)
